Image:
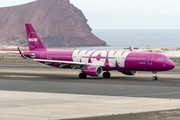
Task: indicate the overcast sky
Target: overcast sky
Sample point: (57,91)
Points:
(125,14)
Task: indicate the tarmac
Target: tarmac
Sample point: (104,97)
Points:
(45,93)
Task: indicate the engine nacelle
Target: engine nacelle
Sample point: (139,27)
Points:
(93,70)
(129,72)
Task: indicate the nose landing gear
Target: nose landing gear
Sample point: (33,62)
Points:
(106,75)
(155,76)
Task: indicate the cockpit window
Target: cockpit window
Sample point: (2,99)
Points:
(166,58)
(163,58)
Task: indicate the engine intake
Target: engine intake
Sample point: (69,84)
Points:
(129,72)
(92,70)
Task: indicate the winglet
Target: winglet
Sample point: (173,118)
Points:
(130,48)
(20,52)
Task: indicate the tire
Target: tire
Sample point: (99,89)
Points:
(106,75)
(82,75)
(155,78)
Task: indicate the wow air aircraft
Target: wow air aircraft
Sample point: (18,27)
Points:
(93,63)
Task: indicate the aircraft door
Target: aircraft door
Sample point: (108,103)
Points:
(150,58)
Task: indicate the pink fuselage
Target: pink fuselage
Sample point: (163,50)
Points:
(112,60)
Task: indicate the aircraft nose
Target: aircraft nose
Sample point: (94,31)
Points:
(170,65)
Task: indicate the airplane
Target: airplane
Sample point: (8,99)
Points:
(93,63)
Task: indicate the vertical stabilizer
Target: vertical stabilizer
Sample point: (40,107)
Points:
(33,39)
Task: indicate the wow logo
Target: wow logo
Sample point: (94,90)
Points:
(33,39)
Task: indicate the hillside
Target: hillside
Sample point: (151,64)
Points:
(58,23)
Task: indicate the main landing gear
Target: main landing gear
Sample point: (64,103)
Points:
(106,75)
(82,75)
(155,76)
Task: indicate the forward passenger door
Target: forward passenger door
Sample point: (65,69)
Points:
(150,58)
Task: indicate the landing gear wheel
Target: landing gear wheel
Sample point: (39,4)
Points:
(155,78)
(82,75)
(106,75)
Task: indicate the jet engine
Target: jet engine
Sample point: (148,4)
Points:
(129,72)
(92,70)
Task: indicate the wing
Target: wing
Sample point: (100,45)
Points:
(69,62)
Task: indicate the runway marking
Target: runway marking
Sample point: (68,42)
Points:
(18,76)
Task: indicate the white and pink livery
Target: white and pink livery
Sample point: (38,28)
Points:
(93,63)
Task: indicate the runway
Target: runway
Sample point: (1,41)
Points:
(51,90)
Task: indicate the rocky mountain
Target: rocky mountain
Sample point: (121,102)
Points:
(57,22)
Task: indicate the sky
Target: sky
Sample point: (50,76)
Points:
(125,14)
